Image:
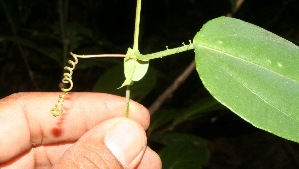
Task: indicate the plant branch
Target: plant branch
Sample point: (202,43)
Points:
(166,52)
(137,22)
(135,51)
(99,56)
(128,93)
(173,87)
(238,4)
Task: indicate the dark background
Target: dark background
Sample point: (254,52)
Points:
(36,37)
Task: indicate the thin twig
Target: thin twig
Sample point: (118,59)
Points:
(128,95)
(168,92)
(137,23)
(180,79)
(99,56)
(239,3)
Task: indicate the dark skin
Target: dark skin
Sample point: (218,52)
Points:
(86,135)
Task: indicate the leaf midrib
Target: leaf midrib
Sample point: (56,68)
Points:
(252,63)
(243,60)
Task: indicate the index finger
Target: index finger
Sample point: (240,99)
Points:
(26,122)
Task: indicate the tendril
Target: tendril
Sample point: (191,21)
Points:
(57,110)
(67,76)
(67,79)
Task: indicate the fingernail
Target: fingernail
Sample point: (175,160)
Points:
(126,141)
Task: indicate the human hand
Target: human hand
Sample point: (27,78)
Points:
(91,133)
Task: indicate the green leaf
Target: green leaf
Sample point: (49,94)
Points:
(184,152)
(111,79)
(251,71)
(134,69)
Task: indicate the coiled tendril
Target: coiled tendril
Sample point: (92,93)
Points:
(67,79)
(57,110)
(67,76)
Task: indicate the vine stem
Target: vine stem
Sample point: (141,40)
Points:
(128,93)
(143,57)
(137,22)
(166,52)
(99,56)
(135,50)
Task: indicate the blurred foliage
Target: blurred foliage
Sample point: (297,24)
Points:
(36,37)
(175,156)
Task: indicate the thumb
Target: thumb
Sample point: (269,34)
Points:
(115,143)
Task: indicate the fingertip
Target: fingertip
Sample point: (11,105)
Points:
(127,142)
(140,114)
(114,106)
(150,160)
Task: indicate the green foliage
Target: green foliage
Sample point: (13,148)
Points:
(175,156)
(251,71)
(134,69)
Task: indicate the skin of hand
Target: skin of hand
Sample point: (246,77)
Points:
(92,132)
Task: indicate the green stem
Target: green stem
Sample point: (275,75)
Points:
(128,92)
(165,52)
(135,50)
(98,56)
(137,22)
